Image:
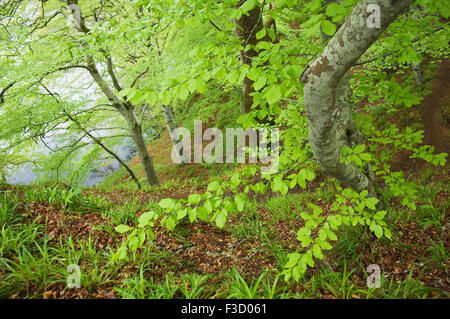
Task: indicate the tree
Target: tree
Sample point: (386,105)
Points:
(327,92)
(248,28)
(75,47)
(125,108)
(171,127)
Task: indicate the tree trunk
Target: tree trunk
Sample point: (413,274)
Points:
(419,76)
(2,174)
(417,68)
(135,129)
(125,108)
(146,160)
(326,91)
(246,28)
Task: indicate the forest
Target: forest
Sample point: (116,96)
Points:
(226,149)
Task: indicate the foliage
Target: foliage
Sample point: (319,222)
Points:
(185,53)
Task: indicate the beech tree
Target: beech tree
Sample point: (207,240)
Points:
(125,108)
(251,28)
(327,91)
(79,48)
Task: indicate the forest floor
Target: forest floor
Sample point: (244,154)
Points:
(48,228)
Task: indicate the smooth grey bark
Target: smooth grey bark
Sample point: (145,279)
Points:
(125,108)
(144,156)
(419,76)
(327,94)
(171,126)
(417,68)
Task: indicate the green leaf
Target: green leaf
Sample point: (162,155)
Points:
(337,18)
(324,244)
(331,234)
(359,149)
(284,188)
(371,202)
(239,203)
(166,97)
(380,215)
(122,228)
(254,73)
(315,6)
(328,27)
(182,213)
(133,243)
(310,174)
(273,94)
(387,233)
(200,85)
(183,92)
(264,45)
(233,77)
(334,9)
(261,34)
(145,218)
(192,85)
(192,214)
(365,156)
(259,84)
(357,160)
(194,199)
(293,259)
(122,253)
(308,259)
(213,186)
(317,251)
(298,271)
(171,223)
(221,218)
(150,234)
(202,213)
(167,203)
(235,180)
(248,5)
(377,229)
(293,182)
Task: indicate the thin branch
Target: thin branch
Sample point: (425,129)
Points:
(138,77)
(2,93)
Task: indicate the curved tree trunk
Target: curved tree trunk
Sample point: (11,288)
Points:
(135,128)
(146,160)
(125,108)
(326,91)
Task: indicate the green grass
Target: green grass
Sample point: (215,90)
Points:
(31,264)
(290,206)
